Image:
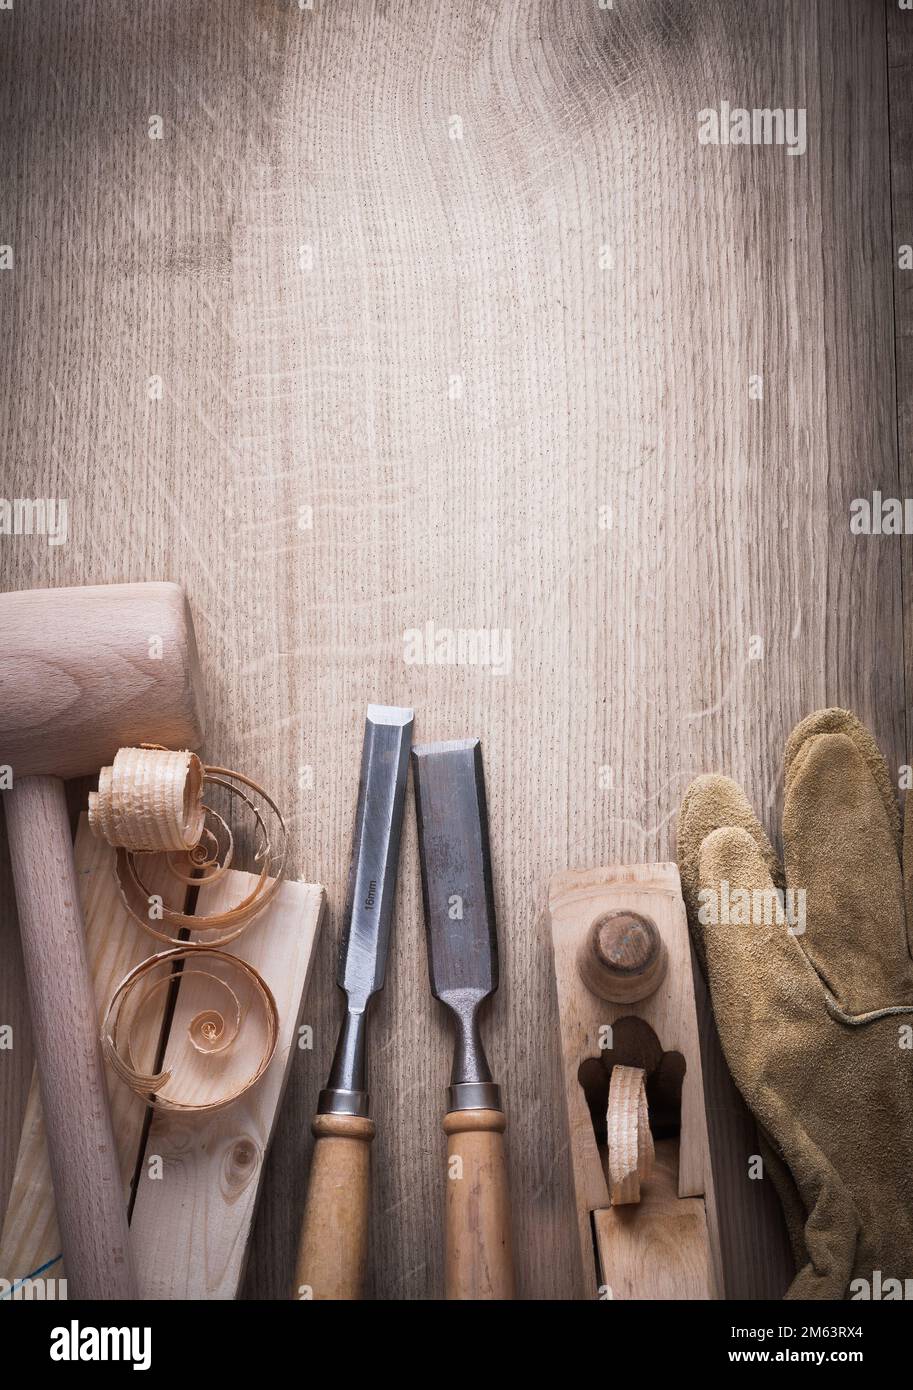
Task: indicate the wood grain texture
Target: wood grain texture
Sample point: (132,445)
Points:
(503,342)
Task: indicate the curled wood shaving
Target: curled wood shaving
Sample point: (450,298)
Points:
(151,802)
(630,1141)
(234,994)
(149,799)
(201,864)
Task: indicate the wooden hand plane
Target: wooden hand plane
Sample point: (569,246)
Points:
(643,1184)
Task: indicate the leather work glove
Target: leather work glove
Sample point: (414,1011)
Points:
(817,1025)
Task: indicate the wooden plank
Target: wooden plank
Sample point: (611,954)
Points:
(459,388)
(191,1222)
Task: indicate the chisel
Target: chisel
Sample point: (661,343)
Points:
(463,965)
(334,1236)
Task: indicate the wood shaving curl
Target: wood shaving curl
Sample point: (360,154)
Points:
(149,799)
(130,1027)
(151,802)
(138,814)
(629,1139)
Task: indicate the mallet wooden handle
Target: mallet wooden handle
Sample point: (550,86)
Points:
(88,1187)
(479,1257)
(334,1235)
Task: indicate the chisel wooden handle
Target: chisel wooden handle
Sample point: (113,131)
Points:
(334,1235)
(479,1258)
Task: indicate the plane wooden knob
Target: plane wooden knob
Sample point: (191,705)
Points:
(622,958)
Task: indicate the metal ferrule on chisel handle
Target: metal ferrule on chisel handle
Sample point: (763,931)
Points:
(345,1092)
(471,1085)
(474,1095)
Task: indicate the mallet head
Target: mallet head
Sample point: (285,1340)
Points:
(86,671)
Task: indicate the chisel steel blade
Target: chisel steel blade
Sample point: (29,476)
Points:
(369,899)
(375,852)
(456,867)
(457,892)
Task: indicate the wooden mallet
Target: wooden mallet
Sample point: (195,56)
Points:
(83,672)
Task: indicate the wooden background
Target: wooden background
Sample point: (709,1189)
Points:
(307,259)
